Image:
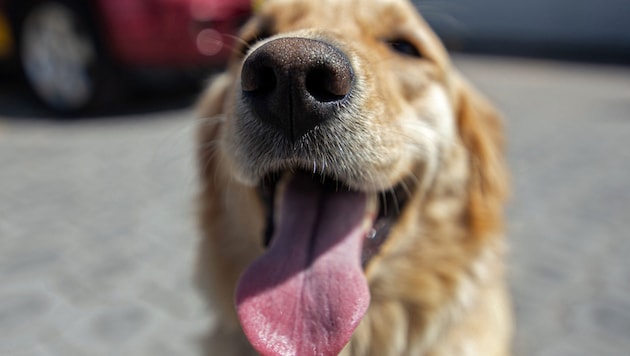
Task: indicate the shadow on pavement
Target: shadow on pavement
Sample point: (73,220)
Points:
(17,103)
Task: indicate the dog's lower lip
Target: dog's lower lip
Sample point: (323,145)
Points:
(391,204)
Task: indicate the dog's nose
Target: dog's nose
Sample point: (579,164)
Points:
(296,84)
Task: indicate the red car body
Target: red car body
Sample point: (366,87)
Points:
(171,32)
(71,51)
(156,33)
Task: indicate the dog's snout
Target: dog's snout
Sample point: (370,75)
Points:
(296,84)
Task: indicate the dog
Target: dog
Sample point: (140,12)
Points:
(352,190)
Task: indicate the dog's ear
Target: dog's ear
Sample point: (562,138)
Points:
(481,131)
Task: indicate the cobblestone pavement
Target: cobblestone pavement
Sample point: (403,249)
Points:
(97,232)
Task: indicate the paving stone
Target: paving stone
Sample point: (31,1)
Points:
(603,318)
(575,347)
(115,326)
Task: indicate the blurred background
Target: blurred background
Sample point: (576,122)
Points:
(81,56)
(97,174)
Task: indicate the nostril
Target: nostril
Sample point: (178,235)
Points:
(325,85)
(258,79)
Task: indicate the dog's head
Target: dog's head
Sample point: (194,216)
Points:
(335,116)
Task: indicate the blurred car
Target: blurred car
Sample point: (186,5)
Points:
(73,52)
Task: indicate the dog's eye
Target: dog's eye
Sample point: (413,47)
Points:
(404,47)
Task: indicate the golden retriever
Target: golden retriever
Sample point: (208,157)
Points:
(352,190)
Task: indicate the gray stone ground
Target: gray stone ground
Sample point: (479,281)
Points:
(97,232)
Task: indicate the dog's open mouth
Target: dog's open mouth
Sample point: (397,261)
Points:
(390,204)
(308,292)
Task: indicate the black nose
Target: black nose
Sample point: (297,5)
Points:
(296,84)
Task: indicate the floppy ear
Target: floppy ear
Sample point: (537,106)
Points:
(481,131)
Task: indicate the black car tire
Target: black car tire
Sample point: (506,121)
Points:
(62,56)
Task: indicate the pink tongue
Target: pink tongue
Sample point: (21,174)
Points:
(307,293)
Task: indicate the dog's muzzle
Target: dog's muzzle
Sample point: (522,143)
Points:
(299,134)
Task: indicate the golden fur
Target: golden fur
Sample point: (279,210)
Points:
(437,285)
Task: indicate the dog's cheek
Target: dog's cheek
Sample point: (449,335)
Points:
(222,143)
(427,133)
(437,111)
(235,157)
(415,77)
(212,101)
